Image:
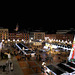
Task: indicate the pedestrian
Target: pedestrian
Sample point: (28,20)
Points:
(25,57)
(35,49)
(36,69)
(51,59)
(30,55)
(9,59)
(7,67)
(28,58)
(3,68)
(19,52)
(35,54)
(11,66)
(39,58)
(36,57)
(2,55)
(14,53)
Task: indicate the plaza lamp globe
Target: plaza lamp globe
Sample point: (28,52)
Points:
(50,40)
(2,40)
(30,41)
(70,42)
(43,63)
(62,41)
(54,39)
(22,40)
(17,39)
(66,41)
(14,40)
(8,40)
(40,40)
(31,38)
(59,40)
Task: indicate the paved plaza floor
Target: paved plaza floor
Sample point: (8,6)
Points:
(33,65)
(17,70)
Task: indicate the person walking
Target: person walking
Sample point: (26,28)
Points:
(39,58)
(36,57)
(2,55)
(9,59)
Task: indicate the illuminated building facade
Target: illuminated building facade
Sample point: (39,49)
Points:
(19,36)
(37,35)
(51,36)
(3,34)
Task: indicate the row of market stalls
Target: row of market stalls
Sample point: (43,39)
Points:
(64,68)
(57,47)
(24,49)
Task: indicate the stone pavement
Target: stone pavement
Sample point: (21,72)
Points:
(32,66)
(16,71)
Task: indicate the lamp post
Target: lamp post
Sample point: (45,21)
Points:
(13,40)
(70,42)
(2,43)
(30,43)
(3,40)
(44,66)
(17,40)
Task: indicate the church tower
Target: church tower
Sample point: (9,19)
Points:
(17,27)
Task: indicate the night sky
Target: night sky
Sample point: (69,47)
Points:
(48,21)
(31,24)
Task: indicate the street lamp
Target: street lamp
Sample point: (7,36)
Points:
(66,41)
(2,40)
(40,40)
(70,42)
(17,39)
(62,41)
(8,40)
(13,40)
(22,40)
(59,40)
(30,41)
(44,66)
(43,63)
(31,38)
(54,39)
(50,40)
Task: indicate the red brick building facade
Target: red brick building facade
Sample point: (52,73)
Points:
(68,37)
